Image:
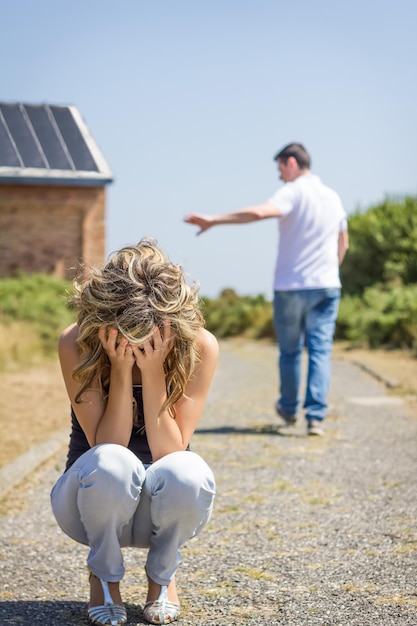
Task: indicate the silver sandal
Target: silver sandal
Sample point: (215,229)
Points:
(162,610)
(109,613)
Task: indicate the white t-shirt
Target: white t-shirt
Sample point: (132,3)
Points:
(312,218)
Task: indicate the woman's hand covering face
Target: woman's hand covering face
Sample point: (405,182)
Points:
(120,353)
(154,350)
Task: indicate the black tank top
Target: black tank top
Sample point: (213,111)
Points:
(138,443)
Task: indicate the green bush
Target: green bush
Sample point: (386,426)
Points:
(382,316)
(383,245)
(40,300)
(231,315)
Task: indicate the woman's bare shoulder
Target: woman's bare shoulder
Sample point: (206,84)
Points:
(208,342)
(68,338)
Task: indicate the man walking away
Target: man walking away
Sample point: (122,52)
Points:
(313,240)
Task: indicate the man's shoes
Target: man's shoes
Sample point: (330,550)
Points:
(289,420)
(315,428)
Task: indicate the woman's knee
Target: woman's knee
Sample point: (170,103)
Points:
(115,468)
(183,477)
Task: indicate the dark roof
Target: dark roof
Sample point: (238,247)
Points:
(47,144)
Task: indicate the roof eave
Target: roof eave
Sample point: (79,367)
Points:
(32,176)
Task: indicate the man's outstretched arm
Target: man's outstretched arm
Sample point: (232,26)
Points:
(242,216)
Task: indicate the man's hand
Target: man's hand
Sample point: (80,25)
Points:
(203,221)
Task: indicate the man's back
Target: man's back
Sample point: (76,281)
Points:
(312,218)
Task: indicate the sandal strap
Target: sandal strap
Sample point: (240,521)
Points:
(111,614)
(162,610)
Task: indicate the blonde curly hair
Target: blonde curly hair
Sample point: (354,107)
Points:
(137,289)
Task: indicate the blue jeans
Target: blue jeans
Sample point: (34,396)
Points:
(305,317)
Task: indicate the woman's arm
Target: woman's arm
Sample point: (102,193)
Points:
(164,433)
(102,420)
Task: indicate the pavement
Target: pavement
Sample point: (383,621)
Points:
(305,530)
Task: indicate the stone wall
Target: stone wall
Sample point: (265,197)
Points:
(49,229)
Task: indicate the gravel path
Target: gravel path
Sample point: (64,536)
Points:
(305,531)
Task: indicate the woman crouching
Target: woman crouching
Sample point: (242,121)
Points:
(137,366)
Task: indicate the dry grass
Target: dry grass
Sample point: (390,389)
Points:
(19,343)
(399,366)
(33,406)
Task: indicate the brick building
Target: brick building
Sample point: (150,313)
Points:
(53,183)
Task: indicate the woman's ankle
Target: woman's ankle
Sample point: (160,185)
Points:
(154,590)
(97,595)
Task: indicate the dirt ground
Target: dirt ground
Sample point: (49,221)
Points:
(34,405)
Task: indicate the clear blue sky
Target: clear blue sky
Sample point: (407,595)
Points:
(189,100)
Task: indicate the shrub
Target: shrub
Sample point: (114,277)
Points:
(38,300)
(383,316)
(231,315)
(383,244)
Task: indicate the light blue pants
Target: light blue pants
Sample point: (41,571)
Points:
(108,500)
(305,317)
